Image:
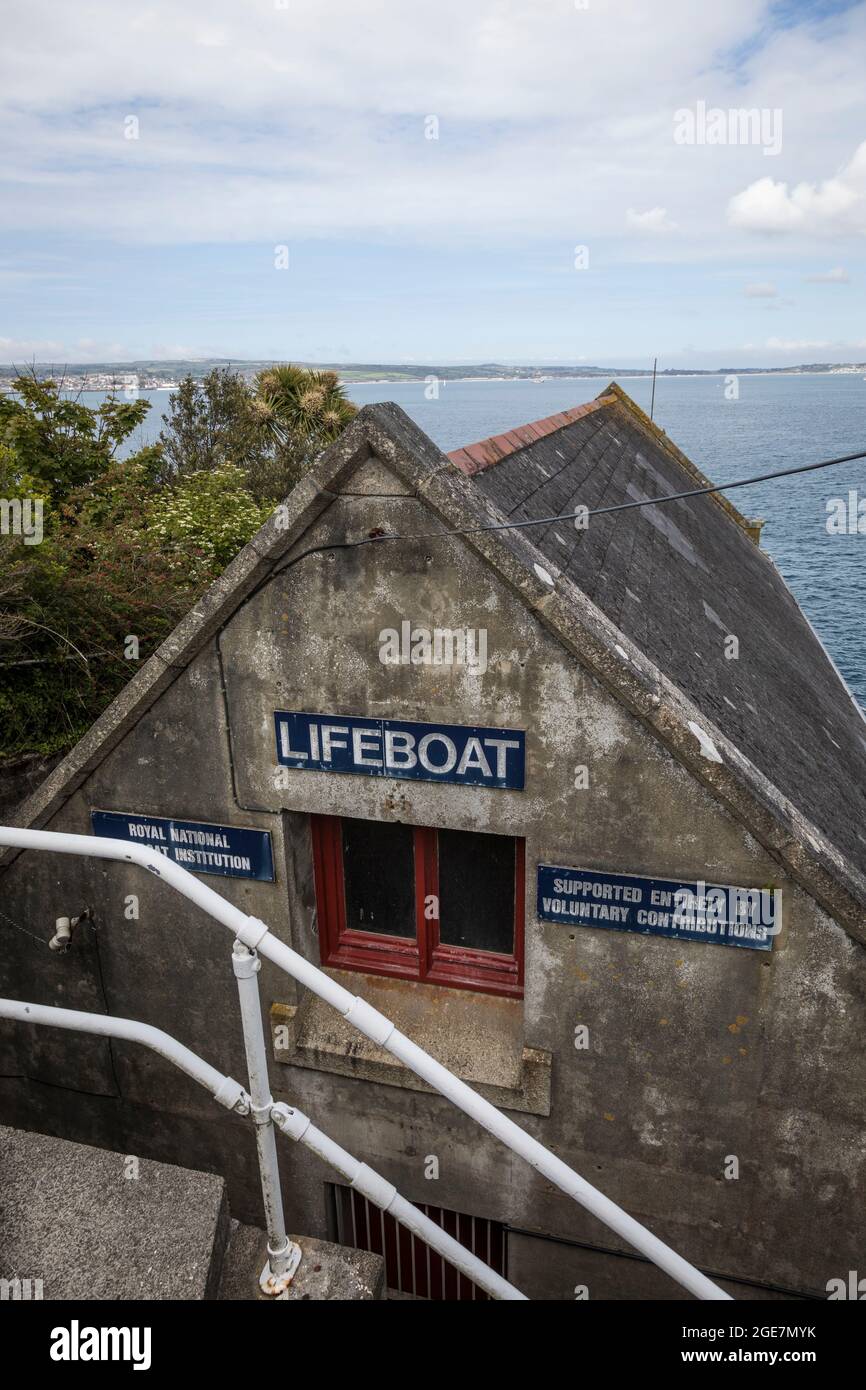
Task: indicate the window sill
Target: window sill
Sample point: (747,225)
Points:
(479,1037)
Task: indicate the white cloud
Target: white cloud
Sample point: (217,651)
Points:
(654,220)
(23,349)
(260,122)
(837,276)
(763,206)
(20,351)
(263,125)
(760,291)
(836,205)
(797,345)
(490,60)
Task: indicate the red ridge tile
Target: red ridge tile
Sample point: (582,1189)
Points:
(486,453)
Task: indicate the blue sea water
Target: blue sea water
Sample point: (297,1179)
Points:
(776,422)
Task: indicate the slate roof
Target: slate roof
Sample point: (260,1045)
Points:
(677,580)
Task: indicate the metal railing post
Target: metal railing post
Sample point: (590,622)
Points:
(284,1255)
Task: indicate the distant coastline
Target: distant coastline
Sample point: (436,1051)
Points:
(135,377)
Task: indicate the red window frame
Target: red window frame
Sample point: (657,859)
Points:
(426,958)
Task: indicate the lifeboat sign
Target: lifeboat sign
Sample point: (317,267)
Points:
(455,753)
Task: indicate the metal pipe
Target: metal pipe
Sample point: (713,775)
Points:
(384,1195)
(223,1089)
(284,1255)
(381,1030)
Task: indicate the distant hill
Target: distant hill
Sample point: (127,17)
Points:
(154,374)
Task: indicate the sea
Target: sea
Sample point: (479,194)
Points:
(731,428)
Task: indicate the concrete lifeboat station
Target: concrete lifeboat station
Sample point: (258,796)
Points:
(579,806)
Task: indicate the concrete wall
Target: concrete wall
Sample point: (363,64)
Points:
(697,1052)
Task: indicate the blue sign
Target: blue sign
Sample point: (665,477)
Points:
(228,850)
(469,756)
(660,907)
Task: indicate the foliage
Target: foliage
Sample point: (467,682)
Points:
(57,441)
(208,516)
(293,402)
(210,422)
(272,430)
(121,558)
(130,544)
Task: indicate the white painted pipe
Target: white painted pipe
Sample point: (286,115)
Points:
(381,1030)
(284,1255)
(223,1089)
(384,1195)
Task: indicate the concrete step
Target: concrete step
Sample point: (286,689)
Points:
(92,1224)
(84,1223)
(326,1271)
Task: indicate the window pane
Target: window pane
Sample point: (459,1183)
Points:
(476,891)
(379,874)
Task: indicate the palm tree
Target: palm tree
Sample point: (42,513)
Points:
(296,404)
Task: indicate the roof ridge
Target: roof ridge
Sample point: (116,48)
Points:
(486,453)
(751,526)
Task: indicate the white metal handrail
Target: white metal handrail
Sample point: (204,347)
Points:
(291,1122)
(224,1090)
(255,935)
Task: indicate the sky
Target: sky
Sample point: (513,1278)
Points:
(536,181)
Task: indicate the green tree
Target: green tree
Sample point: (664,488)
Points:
(59,443)
(129,545)
(122,556)
(272,431)
(205,519)
(293,402)
(13,555)
(211,421)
